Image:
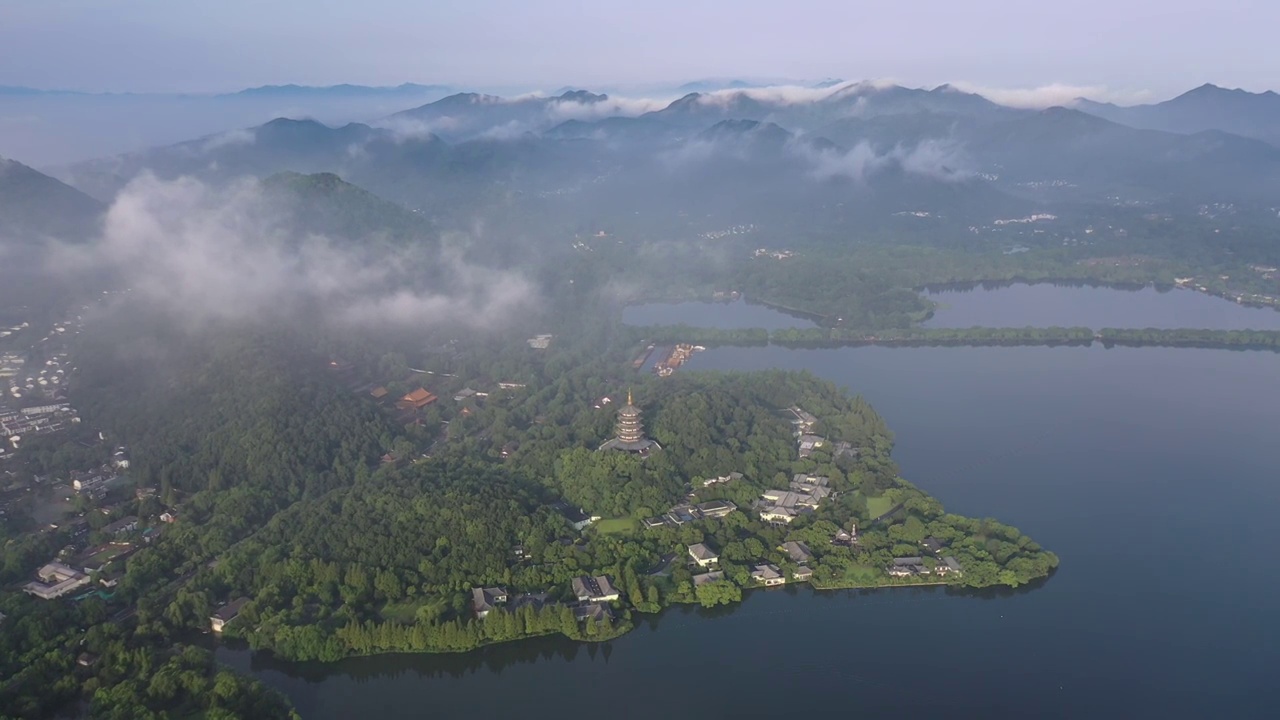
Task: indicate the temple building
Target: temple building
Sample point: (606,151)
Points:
(629,432)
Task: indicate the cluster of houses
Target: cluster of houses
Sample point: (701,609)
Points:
(57,578)
(687,513)
(96,483)
(803,495)
(593,594)
(702,557)
(916,566)
(34,420)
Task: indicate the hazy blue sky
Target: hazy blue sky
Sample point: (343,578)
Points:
(207,45)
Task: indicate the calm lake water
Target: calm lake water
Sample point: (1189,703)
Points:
(1045,305)
(734,315)
(1151,472)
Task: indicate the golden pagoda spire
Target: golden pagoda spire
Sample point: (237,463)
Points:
(629,397)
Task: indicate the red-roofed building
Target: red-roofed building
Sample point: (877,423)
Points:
(416,400)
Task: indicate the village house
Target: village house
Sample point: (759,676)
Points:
(464,394)
(908,566)
(932,544)
(703,555)
(716,508)
(485,600)
(797,551)
(709,577)
(808,443)
(169,516)
(722,479)
(771,514)
(577,517)
(379,392)
(592,611)
(804,422)
(594,589)
(948,565)
(803,573)
(224,615)
(768,574)
(121,526)
(845,538)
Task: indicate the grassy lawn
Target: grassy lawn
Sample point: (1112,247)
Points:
(878,506)
(616,526)
(402,612)
(859,576)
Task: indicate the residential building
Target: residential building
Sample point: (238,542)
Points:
(55,581)
(844,538)
(768,574)
(907,566)
(594,589)
(577,517)
(708,577)
(169,516)
(803,573)
(808,443)
(716,508)
(379,392)
(485,600)
(948,565)
(592,611)
(722,479)
(121,526)
(777,514)
(703,555)
(932,544)
(844,449)
(798,552)
(224,615)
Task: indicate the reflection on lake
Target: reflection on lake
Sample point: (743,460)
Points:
(1147,470)
(730,315)
(1045,305)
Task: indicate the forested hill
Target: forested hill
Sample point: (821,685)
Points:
(325,204)
(34,206)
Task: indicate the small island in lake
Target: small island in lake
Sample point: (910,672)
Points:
(746,481)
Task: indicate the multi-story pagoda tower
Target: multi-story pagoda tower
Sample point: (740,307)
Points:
(629,431)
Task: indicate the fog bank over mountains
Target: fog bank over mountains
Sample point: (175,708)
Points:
(53,128)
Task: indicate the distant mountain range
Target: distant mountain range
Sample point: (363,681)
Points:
(344,90)
(742,152)
(1208,107)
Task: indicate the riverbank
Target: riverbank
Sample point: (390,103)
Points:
(974,337)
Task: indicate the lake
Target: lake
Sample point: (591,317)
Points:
(1045,305)
(1151,472)
(736,314)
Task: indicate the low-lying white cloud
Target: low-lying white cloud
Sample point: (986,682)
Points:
(227,139)
(937,159)
(207,253)
(1051,95)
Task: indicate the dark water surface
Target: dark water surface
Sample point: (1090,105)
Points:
(1151,472)
(1045,305)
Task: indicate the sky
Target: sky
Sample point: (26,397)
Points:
(1118,47)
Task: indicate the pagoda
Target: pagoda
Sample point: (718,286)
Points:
(629,431)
